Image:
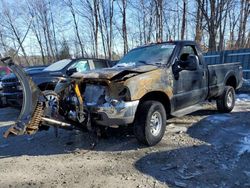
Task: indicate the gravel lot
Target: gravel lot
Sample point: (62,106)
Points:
(204,149)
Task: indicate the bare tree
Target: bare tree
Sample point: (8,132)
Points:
(35,27)
(106,13)
(124,25)
(233,20)
(43,22)
(96,23)
(90,14)
(150,24)
(100,25)
(123,10)
(199,22)
(222,25)
(10,23)
(184,15)
(159,19)
(69,3)
(53,31)
(110,35)
(214,13)
(244,16)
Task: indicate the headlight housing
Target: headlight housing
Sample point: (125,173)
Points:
(19,88)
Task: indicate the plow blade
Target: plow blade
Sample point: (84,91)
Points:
(31,113)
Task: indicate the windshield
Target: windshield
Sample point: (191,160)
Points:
(59,65)
(155,54)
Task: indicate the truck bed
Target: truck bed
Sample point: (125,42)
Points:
(219,73)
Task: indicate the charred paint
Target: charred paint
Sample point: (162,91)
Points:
(132,84)
(142,84)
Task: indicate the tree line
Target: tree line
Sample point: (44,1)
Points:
(49,30)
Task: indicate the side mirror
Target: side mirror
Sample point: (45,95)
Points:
(176,69)
(71,71)
(191,63)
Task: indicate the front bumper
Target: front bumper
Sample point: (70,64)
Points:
(108,114)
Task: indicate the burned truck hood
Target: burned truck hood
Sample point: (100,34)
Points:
(115,73)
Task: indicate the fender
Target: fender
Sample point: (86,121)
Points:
(228,75)
(32,98)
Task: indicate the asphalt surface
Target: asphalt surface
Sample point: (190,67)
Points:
(203,149)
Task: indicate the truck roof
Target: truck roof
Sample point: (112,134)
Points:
(90,58)
(177,42)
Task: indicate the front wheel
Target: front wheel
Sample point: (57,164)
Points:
(150,123)
(225,103)
(52,101)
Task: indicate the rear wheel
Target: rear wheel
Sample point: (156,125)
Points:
(225,103)
(150,122)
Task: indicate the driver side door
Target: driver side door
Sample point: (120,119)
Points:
(188,89)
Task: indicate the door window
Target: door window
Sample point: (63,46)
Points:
(186,51)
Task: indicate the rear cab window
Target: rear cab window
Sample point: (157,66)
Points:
(100,64)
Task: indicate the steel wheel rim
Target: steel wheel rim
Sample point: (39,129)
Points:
(155,123)
(52,101)
(230,99)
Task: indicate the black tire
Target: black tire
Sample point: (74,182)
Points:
(225,103)
(142,129)
(1,103)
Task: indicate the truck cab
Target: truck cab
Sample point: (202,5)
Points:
(154,82)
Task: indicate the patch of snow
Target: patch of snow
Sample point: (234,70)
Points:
(244,145)
(129,64)
(243,97)
(172,128)
(246,81)
(4,145)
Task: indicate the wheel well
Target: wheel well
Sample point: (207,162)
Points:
(46,86)
(158,96)
(231,81)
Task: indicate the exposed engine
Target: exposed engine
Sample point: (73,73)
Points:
(71,104)
(95,95)
(66,107)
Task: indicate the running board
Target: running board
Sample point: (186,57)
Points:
(187,110)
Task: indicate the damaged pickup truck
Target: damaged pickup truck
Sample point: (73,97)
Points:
(148,85)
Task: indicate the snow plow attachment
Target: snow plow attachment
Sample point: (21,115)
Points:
(33,103)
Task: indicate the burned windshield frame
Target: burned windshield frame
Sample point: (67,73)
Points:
(148,55)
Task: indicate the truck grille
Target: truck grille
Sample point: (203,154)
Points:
(9,80)
(10,85)
(7,89)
